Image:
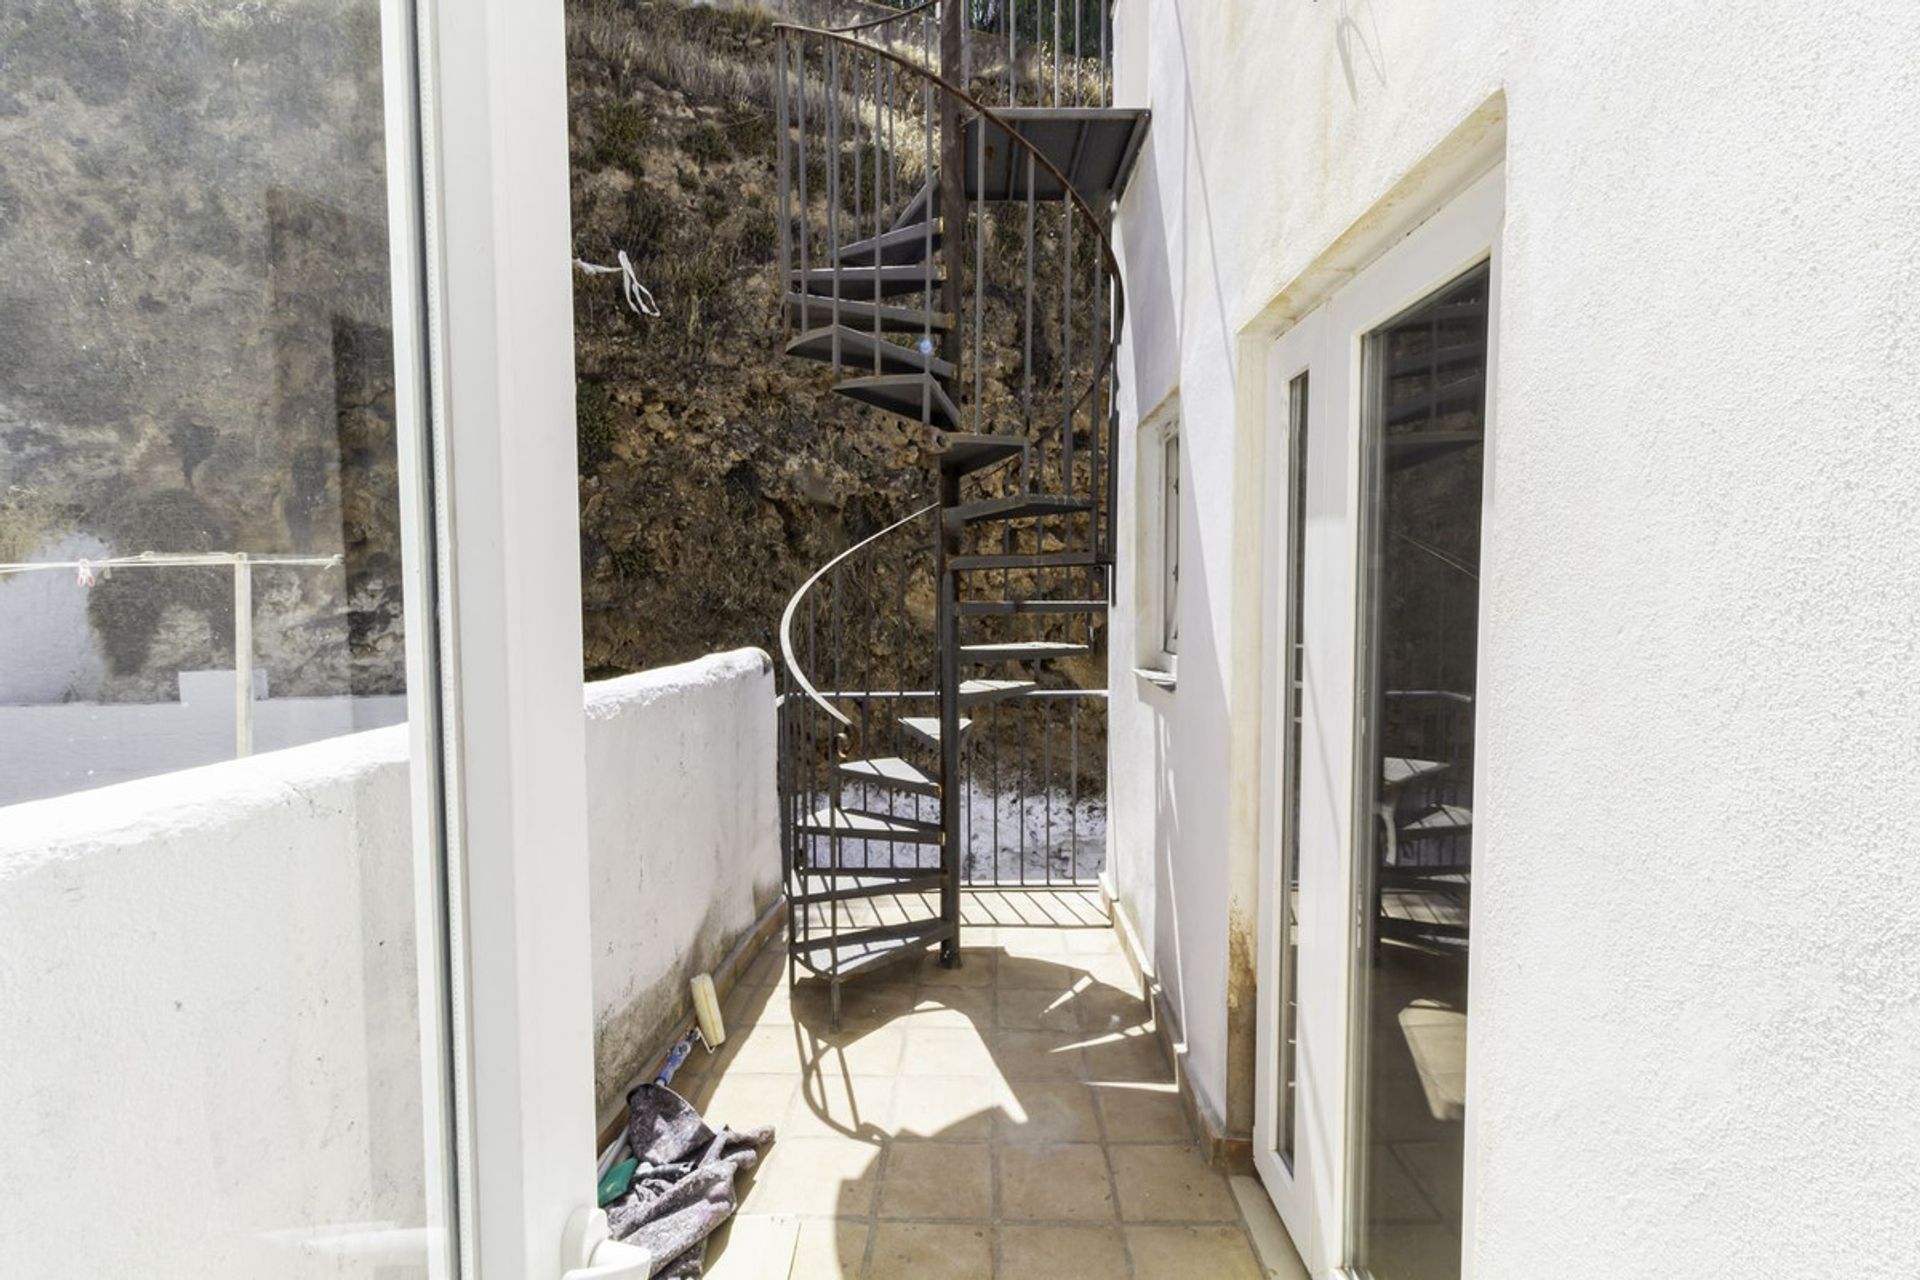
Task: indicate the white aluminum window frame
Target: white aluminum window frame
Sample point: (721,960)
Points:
(1157,452)
(495,286)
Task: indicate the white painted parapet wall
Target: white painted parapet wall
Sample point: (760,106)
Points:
(684,826)
(208,1041)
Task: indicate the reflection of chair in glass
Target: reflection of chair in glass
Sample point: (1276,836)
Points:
(1423,818)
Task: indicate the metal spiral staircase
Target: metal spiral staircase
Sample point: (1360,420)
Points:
(949,261)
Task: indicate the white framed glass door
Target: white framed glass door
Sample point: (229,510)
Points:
(293,894)
(1360,1125)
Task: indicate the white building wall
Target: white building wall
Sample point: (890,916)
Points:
(1696,1004)
(55,748)
(207,978)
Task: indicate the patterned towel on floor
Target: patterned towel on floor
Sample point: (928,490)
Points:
(683,1190)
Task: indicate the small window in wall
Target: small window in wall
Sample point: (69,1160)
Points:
(1170,541)
(1157,584)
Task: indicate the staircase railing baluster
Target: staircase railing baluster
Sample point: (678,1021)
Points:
(806,203)
(784,151)
(879,208)
(1026,362)
(834,243)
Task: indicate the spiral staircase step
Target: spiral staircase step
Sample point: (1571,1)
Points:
(1009,608)
(1020,651)
(858,824)
(1020,506)
(858,349)
(911,395)
(926,729)
(902,245)
(889,771)
(975,692)
(916,210)
(1027,560)
(847,955)
(964,452)
(808,310)
(866,886)
(862,283)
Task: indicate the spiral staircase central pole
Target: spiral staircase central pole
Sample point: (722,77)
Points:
(953,196)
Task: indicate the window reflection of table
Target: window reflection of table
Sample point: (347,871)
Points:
(1398,771)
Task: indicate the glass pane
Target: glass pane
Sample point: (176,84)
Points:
(1170,545)
(1425,438)
(209,981)
(1296,668)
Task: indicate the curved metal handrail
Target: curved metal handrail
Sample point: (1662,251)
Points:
(793,605)
(870,23)
(1034,154)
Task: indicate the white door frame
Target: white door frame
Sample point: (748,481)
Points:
(1314,1199)
(497,291)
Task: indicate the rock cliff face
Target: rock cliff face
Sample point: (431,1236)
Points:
(195,354)
(716,473)
(194,345)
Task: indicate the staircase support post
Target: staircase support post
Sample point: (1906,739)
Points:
(952,793)
(953,212)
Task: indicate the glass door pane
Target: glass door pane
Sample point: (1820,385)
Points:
(1424,425)
(221,941)
(1293,673)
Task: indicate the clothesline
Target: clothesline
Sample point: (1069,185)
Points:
(639,297)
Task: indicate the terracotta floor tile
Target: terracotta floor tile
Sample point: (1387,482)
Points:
(976,970)
(1036,1011)
(1047,1112)
(1111,970)
(1109,1010)
(1040,1055)
(857,1108)
(1170,1184)
(946,1097)
(937,1180)
(1030,942)
(1048,1252)
(762,1050)
(1065,1183)
(1183,1253)
(959,1008)
(823,1176)
(829,1249)
(768,968)
(1142,1113)
(753,1246)
(864,1006)
(1128,1059)
(742,1100)
(871,1052)
(948,1108)
(756,1006)
(948,1051)
(932,1251)
(1091,942)
(1036,973)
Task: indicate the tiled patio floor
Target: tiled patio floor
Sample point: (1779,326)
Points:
(1015,1117)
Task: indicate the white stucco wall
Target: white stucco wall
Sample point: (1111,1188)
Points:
(685,831)
(1696,998)
(54,748)
(208,1040)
